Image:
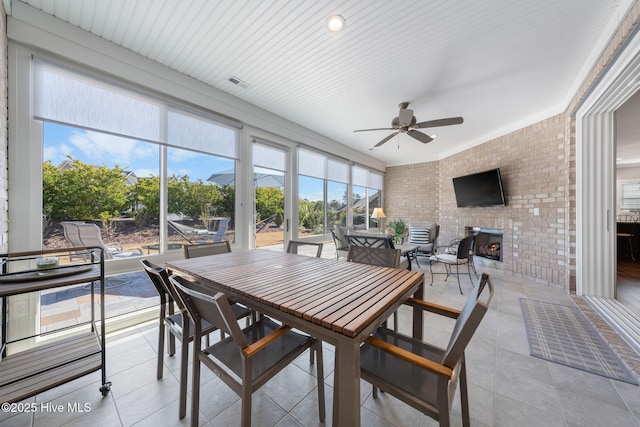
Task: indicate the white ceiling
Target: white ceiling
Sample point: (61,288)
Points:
(501,64)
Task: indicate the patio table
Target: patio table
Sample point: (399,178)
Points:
(338,302)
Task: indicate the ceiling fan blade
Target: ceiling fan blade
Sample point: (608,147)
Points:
(367,130)
(386,139)
(439,122)
(405,116)
(419,136)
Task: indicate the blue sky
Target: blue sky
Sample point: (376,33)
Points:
(142,158)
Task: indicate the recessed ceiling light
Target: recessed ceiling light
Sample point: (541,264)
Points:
(336,23)
(433,136)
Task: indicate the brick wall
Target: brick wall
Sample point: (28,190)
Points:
(533,166)
(4,221)
(412,193)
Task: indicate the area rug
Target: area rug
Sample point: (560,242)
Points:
(562,334)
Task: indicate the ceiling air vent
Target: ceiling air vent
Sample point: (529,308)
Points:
(238,82)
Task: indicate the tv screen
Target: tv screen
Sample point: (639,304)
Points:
(479,189)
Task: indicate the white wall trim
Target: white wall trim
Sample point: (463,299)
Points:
(595,174)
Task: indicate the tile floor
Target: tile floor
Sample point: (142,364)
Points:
(507,386)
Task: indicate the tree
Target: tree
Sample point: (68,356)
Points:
(199,199)
(269,200)
(310,215)
(145,199)
(83,191)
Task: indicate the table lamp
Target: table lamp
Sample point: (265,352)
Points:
(378,213)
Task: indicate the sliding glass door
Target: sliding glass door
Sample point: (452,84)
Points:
(269,177)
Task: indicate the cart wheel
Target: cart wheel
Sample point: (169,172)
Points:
(105,389)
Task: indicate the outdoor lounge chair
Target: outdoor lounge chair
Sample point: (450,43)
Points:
(90,235)
(200,235)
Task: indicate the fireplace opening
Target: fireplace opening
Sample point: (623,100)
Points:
(488,243)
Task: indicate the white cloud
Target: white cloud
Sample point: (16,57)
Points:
(56,154)
(104,148)
(145,173)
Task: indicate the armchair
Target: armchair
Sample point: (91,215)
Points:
(426,237)
(423,375)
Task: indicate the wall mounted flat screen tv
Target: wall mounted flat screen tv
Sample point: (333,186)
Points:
(479,189)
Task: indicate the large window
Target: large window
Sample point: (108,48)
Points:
(102,179)
(138,173)
(630,196)
(130,163)
(201,197)
(322,192)
(366,196)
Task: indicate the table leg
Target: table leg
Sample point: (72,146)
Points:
(418,314)
(346,383)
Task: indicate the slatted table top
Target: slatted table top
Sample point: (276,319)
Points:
(341,296)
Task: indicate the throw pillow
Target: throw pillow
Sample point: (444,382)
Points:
(419,235)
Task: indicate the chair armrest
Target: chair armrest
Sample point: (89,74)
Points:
(414,359)
(252,349)
(433,308)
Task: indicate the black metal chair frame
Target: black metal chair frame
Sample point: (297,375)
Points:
(462,255)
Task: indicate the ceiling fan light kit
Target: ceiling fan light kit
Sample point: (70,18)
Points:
(407,123)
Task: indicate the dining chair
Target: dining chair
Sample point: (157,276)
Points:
(380,256)
(462,255)
(342,246)
(248,357)
(204,249)
(422,375)
(177,325)
(294,246)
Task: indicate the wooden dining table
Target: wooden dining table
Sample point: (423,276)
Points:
(338,302)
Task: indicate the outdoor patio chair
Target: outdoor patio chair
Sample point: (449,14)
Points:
(380,241)
(174,324)
(422,375)
(72,235)
(221,232)
(380,256)
(342,246)
(426,237)
(204,249)
(294,246)
(461,255)
(200,235)
(90,235)
(248,357)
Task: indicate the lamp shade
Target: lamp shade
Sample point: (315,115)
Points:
(378,213)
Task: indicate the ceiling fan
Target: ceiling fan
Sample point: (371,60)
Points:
(406,123)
